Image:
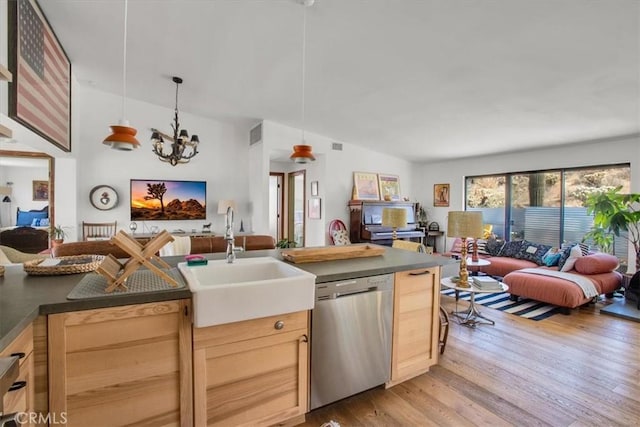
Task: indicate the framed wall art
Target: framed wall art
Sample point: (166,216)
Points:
(389,186)
(40,94)
(314,208)
(441,195)
(365,186)
(40,191)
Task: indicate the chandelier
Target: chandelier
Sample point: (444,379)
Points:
(182,149)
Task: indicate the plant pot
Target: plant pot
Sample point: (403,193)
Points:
(56,242)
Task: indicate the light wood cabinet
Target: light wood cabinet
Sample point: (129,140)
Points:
(127,365)
(22,397)
(416,305)
(253,372)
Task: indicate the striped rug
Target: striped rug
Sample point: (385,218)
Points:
(528,308)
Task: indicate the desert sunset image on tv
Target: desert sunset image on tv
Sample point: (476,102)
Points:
(153,200)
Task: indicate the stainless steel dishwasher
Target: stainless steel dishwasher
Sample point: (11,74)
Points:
(350,337)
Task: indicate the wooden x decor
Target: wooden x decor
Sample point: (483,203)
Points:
(117,273)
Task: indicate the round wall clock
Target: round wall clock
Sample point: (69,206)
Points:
(103,197)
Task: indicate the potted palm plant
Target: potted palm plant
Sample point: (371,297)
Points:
(613,213)
(57,235)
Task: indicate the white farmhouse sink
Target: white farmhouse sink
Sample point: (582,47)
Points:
(249,288)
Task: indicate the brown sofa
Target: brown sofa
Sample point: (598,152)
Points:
(598,268)
(199,245)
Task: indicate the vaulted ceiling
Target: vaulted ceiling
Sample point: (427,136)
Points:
(425,80)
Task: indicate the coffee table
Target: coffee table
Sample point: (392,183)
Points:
(471,317)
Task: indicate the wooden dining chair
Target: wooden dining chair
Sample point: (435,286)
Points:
(98,230)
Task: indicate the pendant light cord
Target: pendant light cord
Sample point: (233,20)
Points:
(304,66)
(124,62)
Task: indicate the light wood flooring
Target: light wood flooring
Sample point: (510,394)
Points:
(577,370)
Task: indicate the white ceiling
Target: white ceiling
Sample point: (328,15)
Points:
(425,80)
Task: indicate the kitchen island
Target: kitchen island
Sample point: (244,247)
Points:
(30,300)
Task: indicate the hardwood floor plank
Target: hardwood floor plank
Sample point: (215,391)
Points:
(575,370)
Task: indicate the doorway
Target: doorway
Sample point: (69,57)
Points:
(21,171)
(276,205)
(296,209)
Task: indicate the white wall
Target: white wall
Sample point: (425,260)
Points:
(222,161)
(334,172)
(22,178)
(616,150)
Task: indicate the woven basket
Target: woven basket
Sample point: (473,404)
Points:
(68,265)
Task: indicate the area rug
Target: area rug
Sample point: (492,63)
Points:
(527,308)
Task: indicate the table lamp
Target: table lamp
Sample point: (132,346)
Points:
(394,218)
(464,224)
(224,204)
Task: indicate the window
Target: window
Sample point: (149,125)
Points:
(544,206)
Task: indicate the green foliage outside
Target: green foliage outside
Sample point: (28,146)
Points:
(613,213)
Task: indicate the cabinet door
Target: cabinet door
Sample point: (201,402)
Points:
(253,372)
(415,323)
(128,365)
(21,398)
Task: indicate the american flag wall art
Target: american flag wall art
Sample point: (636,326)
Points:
(40,95)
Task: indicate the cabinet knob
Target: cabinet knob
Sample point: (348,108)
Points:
(279,325)
(304,338)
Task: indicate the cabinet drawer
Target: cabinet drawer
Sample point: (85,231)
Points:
(22,345)
(249,329)
(18,400)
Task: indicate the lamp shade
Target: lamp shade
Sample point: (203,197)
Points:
(224,204)
(394,217)
(302,154)
(465,224)
(123,137)
(5,191)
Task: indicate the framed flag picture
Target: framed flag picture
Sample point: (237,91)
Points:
(40,94)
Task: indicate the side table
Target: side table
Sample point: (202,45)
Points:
(477,265)
(471,317)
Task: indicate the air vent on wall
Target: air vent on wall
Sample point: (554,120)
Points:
(336,146)
(255,135)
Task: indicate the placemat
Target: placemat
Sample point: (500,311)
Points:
(93,284)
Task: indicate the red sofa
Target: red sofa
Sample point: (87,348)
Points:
(598,268)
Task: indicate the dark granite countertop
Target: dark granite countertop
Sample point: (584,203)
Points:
(24,297)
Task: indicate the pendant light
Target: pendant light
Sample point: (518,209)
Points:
(302,153)
(123,136)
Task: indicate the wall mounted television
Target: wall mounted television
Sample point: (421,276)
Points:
(167,200)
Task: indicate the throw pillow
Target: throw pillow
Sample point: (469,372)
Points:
(3,258)
(482,246)
(17,257)
(564,255)
(457,245)
(532,252)
(596,264)
(574,254)
(584,248)
(510,249)
(340,237)
(552,257)
(494,246)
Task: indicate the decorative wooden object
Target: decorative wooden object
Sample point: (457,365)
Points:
(117,273)
(330,253)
